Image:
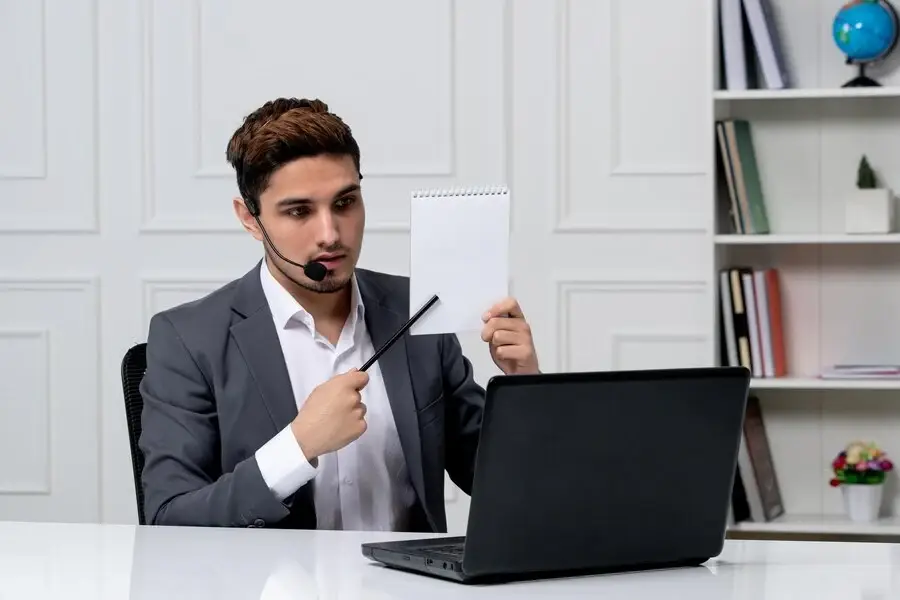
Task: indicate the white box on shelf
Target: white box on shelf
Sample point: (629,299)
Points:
(869,211)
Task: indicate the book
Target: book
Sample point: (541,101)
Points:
(862,372)
(763,25)
(760,499)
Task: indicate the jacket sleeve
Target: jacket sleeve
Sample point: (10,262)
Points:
(464,400)
(182,479)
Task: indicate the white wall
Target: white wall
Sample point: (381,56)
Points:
(118,196)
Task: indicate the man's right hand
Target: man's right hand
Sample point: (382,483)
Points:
(332,416)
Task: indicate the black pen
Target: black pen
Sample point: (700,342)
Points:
(400,332)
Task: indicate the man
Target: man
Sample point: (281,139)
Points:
(255,412)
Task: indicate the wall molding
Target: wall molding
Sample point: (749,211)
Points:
(563,219)
(6,172)
(621,168)
(384,170)
(51,283)
(675,223)
(43,336)
(202,284)
(197,227)
(618,338)
(653,284)
(152,222)
(87,218)
(89,285)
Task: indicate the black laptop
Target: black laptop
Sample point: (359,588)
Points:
(595,472)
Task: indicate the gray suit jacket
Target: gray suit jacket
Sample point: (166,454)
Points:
(217,388)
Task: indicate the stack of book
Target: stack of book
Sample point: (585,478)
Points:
(751,46)
(751,326)
(737,161)
(862,372)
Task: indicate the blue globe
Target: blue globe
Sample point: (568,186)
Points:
(865,30)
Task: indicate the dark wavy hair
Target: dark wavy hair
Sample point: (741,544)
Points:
(280,131)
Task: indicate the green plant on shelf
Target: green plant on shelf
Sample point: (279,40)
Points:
(865,175)
(860,463)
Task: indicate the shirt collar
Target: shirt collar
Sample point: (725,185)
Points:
(285,308)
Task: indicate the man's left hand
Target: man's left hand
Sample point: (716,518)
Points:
(509,337)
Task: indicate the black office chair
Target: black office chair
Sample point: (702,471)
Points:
(134,363)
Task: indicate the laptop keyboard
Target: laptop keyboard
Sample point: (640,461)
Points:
(454,551)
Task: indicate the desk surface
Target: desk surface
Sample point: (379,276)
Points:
(117,561)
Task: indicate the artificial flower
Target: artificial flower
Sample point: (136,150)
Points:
(860,463)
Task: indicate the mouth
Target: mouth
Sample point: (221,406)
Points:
(330,261)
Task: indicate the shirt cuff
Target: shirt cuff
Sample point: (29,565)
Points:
(282,464)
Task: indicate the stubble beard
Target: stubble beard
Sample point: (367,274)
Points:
(330,285)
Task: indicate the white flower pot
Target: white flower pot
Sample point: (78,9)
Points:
(862,501)
(869,211)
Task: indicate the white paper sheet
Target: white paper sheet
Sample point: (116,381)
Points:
(459,250)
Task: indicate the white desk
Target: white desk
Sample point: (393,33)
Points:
(99,562)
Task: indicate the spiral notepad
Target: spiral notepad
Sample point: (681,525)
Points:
(459,250)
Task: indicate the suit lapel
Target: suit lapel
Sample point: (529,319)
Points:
(382,322)
(257,339)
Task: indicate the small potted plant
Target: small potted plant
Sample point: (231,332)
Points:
(860,470)
(870,207)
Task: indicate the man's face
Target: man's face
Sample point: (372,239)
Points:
(313,210)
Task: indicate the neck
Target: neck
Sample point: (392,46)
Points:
(324,307)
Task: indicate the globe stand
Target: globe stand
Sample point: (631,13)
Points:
(861,80)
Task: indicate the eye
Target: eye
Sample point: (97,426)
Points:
(345,202)
(299,211)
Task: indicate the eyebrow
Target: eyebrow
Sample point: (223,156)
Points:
(285,202)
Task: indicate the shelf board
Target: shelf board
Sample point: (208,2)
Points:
(815,383)
(821,524)
(774,239)
(807,93)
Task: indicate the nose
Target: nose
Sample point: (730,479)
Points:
(326,233)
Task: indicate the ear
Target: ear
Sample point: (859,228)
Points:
(246,219)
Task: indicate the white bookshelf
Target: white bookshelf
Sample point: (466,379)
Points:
(805,238)
(757,95)
(822,524)
(817,383)
(840,293)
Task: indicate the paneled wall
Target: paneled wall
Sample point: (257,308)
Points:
(114,120)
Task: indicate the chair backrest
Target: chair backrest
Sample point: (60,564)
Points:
(134,363)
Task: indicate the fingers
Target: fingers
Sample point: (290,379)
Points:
(506,307)
(513,352)
(505,337)
(496,324)
(358,405)
(356,378)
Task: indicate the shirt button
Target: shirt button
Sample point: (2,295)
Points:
(348,481)
(259,523)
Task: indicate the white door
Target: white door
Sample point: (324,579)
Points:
(118,196)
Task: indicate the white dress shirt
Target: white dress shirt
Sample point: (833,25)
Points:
(365,485)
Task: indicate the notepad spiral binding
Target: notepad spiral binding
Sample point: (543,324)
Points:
(490,190)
